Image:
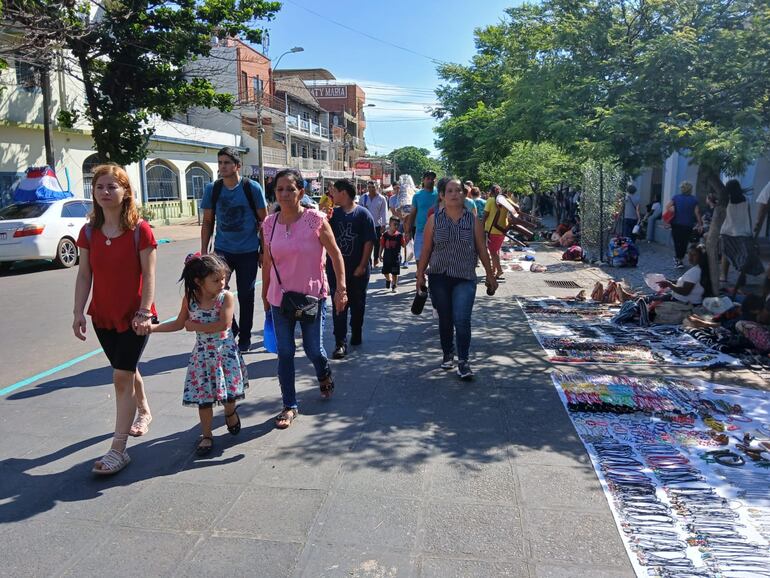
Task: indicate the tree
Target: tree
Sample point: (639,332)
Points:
(616,79)
(414,161)
(531,168)
(131,56)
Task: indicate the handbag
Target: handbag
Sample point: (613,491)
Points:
(668,215)
(294,305)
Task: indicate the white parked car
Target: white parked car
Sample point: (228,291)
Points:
(42,230)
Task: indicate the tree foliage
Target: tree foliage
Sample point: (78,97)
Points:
(131,56)
(628,79)
(531,168)
(414,161)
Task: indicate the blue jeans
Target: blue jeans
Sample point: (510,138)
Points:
(356,287)
(651,225)
(245,266)
(312,343)
(453,299)
(418,239)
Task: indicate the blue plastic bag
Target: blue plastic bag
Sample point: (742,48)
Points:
(270,342)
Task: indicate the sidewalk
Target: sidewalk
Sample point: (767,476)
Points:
(405,472)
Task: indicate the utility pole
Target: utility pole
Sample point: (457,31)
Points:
(45,84)
(260,131)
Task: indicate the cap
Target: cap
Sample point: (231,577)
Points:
(429,174)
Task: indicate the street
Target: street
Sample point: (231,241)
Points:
(405,472)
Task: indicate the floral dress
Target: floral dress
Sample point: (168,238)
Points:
(216,372)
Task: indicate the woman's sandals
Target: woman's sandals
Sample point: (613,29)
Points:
(113,461)
(284,419)
(141,424)
(236,428)
(204,446)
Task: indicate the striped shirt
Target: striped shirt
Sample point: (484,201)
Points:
(454,246)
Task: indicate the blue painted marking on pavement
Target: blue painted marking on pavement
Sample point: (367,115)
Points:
(62,366)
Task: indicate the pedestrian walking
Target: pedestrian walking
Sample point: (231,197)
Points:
(393,201)
(117,268)
(686,217)
(391,242)
(495,226)
(216,372)
(355,235)
(479,202)
(738,243)
(454,239)
(631,214)
(294,286)
(377,206)
(422,201)
(237,206)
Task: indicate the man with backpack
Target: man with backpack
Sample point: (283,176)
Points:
(238,208)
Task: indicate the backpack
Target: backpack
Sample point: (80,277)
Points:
(90,231)
(246,184)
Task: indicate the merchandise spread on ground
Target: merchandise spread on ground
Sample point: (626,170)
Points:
(685,466)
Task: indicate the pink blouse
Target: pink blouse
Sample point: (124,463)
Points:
(299,255)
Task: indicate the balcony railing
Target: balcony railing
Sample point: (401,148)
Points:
(309,164)
(274,156)
(307,126)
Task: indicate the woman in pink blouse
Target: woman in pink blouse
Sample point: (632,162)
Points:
(296,242)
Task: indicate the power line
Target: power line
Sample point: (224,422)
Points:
(387,42)
(400,120)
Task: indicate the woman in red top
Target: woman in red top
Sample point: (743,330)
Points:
(121,266)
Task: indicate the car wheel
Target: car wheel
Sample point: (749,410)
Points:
(66,253)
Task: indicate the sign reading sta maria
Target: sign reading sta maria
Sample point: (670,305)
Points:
(329,91)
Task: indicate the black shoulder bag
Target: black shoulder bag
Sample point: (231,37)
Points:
(294,305)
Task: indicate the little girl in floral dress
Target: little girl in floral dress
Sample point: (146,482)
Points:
(216,373)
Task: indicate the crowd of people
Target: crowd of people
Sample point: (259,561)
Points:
(309,253)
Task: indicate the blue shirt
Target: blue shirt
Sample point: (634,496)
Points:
(480,204)
(684,210)
(352,230)
(236,227)
(422,202)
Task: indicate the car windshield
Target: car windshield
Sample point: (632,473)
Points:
(23,211)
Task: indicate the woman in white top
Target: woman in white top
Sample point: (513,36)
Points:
(695,284)
(736,237)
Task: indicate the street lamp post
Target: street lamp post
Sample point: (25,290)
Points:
(261,130)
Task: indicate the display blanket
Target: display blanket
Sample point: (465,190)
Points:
(685,467)
(582,332)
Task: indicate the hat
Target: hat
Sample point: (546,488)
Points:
(429,174)
(718,305)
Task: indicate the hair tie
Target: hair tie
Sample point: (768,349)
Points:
(192,257)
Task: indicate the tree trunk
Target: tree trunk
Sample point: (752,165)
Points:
(101,147)
(712,238)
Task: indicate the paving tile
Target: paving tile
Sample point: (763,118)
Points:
(554,487)
(130,552)
(178,506)
(451,568)
(266,513)
(388,477)
(372,521)
(574,571)
(230,557)
(453,529)
(42,548)
(474,480)
(284,470)
(579,537)
(332,561)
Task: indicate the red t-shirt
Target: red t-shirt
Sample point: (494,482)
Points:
(117,276)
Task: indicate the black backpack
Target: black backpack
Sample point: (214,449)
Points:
(246,184)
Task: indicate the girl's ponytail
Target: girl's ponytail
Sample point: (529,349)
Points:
(197,267)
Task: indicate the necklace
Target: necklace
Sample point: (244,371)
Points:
(108,242)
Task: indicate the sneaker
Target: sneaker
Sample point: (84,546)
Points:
(449,362)
(464,371)
(340,351)
(387,283)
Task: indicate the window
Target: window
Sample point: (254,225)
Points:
(197,178)
(244,87)
(162,183)
(314,153)
(304,152)
(305,115)
(324,155)
(76,210)
(88,175)
(257,84)
(27,75)
(294,149)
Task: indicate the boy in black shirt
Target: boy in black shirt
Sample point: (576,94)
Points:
(390,244)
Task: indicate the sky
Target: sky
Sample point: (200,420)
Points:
(400,82)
